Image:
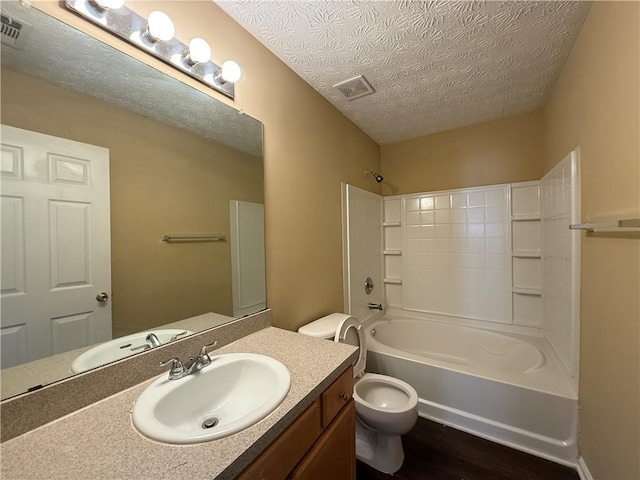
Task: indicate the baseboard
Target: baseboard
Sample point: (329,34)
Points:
(583,471)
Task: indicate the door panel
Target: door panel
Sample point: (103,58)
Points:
(55,245)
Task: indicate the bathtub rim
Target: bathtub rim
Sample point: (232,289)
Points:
(552,362)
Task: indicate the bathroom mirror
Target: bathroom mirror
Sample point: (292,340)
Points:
(180,163)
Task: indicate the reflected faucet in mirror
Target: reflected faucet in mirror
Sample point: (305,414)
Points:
(162,169)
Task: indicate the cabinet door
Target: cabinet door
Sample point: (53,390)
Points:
(283,454)
(334,454)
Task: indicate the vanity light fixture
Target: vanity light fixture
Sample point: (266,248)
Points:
(104,5)
(155,35)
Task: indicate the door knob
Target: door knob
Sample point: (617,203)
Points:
(102,297)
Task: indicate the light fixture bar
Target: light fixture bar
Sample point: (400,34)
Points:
(131,27)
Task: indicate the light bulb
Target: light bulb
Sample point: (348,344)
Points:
(230,72)
(105,5)
(159,27)
(199,52)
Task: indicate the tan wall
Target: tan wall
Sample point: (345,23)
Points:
(163,180)
(595,105)
(309,149)
(500,151)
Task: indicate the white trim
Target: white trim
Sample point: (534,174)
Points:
(583,471)
(346,249)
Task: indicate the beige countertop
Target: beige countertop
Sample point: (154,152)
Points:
(100,442)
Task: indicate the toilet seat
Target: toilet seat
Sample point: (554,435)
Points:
(376,399)
(350,331)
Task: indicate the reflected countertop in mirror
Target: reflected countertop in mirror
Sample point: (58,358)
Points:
(179,161)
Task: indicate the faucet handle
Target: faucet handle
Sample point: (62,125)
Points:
(205,350)
(204,353)
(177,367)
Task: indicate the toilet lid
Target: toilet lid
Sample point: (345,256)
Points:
(350,331)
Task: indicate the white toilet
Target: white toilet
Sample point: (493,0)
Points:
(386,407)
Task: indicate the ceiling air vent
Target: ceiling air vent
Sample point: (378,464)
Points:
(355,87)
(13,31)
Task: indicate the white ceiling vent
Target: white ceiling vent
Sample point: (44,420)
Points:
(355,87)
(13,31)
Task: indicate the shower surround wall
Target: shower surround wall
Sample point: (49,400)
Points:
(455,253)
(361,245)
(560,206)
(499,257)
(483,258)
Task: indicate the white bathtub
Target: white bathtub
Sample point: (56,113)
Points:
(507,388)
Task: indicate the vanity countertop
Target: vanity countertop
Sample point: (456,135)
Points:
(100,442)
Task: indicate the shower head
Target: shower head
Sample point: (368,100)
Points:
(378,177)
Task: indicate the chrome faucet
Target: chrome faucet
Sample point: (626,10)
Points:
(375,306)
(179,370)
(152,341)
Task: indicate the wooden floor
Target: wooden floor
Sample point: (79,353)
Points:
(435,452)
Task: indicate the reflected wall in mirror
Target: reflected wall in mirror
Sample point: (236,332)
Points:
(176,161)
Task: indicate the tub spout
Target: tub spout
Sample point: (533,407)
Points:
(375,306)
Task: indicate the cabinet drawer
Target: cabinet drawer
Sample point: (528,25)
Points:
(336,396)
(279,459)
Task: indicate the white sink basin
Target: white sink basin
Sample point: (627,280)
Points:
(120,348)
(234,392)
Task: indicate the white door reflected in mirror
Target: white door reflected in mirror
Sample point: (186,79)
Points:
(55,245)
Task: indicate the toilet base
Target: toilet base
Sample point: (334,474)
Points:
(379,450)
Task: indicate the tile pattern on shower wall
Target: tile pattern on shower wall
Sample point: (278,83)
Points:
(557,193)
(456,253)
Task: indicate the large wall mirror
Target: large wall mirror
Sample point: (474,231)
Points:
(102,156)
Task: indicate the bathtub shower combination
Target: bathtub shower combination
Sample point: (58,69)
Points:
(495,385)
(481,304)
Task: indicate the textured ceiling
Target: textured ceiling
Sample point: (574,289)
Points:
(434,65)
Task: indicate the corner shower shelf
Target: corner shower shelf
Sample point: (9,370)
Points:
(392,252)
(527,291)
(392,224)
(525,218)
(526,254)
(393,281)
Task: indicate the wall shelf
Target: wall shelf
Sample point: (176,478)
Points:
(392,252)
(392,224)
(526,254)
(590,227)
(527,291)
(393,281)
(525,218)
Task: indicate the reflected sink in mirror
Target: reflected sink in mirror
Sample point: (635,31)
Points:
(233,392)
(123,347)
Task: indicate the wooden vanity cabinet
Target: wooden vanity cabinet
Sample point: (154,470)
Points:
(319,444)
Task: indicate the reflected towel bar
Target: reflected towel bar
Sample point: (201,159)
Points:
(205,237)
(630,223)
